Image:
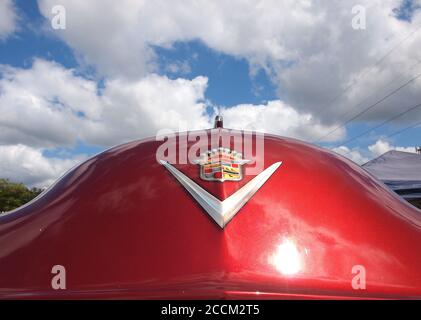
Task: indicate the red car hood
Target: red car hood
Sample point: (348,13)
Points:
(124,227)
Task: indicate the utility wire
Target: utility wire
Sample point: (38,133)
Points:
(403,130)
(378,62)
(396,79)
(393,134)
(379,125)
(367,71)
(370,107)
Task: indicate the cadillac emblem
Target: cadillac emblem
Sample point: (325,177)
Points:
(221,164)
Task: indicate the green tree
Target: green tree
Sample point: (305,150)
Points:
(14,195)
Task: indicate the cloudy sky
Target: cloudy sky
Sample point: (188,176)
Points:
(122,70)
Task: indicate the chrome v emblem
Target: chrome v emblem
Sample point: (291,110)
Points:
(222,211)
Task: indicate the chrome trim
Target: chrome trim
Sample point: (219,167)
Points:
(222,211)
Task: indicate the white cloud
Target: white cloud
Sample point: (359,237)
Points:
(309,48)
(39,106)
(361,156)
(28,165)
(8,18)
(382,146)
(49,106)
(354,154)
(257,31)
(182,67)
(278,118)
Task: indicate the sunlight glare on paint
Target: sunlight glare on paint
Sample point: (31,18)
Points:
(287,259)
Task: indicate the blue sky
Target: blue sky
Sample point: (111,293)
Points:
(30,41)
(230,82)
(266,70)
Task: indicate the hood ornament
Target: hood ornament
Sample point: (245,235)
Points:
(219,122)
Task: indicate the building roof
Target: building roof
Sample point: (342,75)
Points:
(396,166)
(400,171)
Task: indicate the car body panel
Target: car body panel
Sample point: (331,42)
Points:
(123,227)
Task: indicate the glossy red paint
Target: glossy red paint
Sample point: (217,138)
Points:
(123,227)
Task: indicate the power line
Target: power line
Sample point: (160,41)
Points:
(370,107)
(393,134)
(395,79)
(403,130)
(378,62)
(383,58)
(380,125)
